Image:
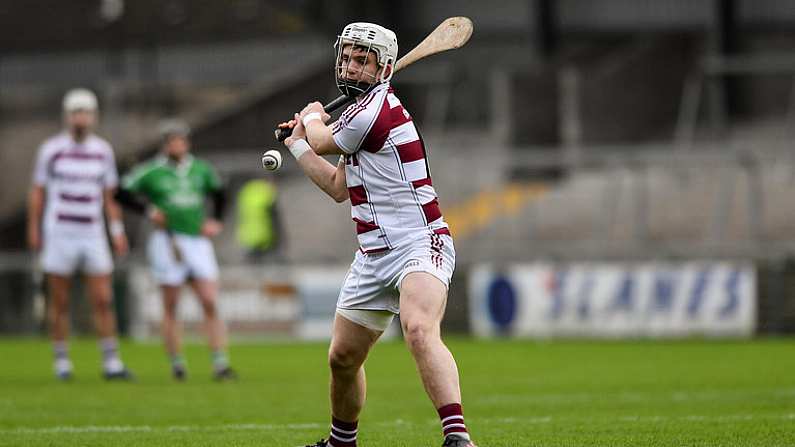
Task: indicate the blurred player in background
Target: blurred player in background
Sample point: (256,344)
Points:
(259,228)
(175,185)
(406,256)
(73,181)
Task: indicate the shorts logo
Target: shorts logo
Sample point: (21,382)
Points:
(412,264)
(436,250)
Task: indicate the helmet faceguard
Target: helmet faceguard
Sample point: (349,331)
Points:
(366,38)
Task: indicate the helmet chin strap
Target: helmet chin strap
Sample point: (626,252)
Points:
(357,88)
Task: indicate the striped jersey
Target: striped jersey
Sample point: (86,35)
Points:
(75,175)
(386,170)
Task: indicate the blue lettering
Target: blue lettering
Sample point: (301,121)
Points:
(698,292)
(732,294)
(625,296)
(558,288)
(663,298)
(584,297)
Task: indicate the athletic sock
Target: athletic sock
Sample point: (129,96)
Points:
(452,417)
(343,434)
(110,355)
(60,350)
(177,361)
(220,360)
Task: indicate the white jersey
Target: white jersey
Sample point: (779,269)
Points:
(386,169)
(75,176)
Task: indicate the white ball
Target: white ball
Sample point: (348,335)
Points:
(272,160)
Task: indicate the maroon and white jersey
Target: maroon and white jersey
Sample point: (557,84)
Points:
(75,176)
(386,169)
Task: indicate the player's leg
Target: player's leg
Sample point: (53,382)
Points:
(354,333)
(422,303)
(101,297)
(350,344)
(206,291)
(98,266)
(59,287)
(172,331)
(199,257)
(423,299)
(59,258)
(170,275)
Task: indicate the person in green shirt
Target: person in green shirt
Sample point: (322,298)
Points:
(175,186)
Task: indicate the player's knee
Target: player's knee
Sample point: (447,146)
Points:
(419,333)
(60,304)
(102,303)
(341,359)
(210,308)
(170,311)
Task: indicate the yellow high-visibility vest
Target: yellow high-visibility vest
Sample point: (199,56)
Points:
(255,229)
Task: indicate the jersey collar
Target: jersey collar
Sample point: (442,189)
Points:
(79,145)
(180,168)
(372,89)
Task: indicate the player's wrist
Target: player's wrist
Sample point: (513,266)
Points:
(309,117)
(116,228)
(299,147)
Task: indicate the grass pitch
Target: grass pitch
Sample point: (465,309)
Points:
(682,393)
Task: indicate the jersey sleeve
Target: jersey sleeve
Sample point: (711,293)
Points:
(111,179)
(351,129)
(40,168)
(212,181)
(135,181)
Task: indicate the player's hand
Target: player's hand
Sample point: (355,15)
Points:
(299,132)
(287,124)
(120,245)
(34,239)
(212,228)
(157,217)
(315,107)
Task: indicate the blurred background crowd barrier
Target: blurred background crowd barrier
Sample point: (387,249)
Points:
(608,167)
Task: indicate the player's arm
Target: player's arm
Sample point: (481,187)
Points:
(132,196)
(112,209)
(218,202)
(329,178)
(130,201)
(115,223)
(318,134)
(217,194)
(35,207)
(36,200)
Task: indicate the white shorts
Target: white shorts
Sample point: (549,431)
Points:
(66,254)
(198,258)
(373,281)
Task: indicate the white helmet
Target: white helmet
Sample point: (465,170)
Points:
(173,127)
(79,99)
(370,37)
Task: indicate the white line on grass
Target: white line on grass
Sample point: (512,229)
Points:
(633,397)
(170,428)
(65,429)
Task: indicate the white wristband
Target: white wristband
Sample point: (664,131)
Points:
(116,228)
(310,117)
(299,147)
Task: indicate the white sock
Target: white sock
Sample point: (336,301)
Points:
(110,355)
